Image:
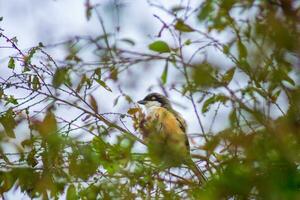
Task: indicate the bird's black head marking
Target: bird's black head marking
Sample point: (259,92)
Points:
(156,97)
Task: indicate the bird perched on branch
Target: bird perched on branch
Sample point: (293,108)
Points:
(164,129)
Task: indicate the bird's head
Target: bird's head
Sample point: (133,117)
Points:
(155,99)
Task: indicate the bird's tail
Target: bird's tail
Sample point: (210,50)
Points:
(197,171)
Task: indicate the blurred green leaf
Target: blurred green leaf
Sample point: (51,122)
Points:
(11,99)
(159,46)
(88,10)
(103,84)
(214,99)
(93,103)
(31,53)
(128,41)
(132,111)
(36,83)
(227,77)
(181,26)
(207,8)
(8,122)
(164,75)
(48,126)
(71,193)
(31,160)
(60,77)
(203,75)
(11,63)
(242,49)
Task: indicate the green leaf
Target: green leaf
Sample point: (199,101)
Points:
(188,42)
(116,100)
(128,41)
(93,103)
(242,49)
(8,122)
(88,12)
(1,92)
(59,77)
(71,193)
(227,77)
(36,83)
(288,79)
(31,160)
(132,111)
(217,98)
(164,75)
(98,72)
(275,96)
(177,8)
(48,126)
(181,26)
(14,40)
(11,99)
(233,117)
(103,84)
(31,54)
(205,11)
(11,63)
(159,46)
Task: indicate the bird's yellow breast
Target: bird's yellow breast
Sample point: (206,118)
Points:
(166,121)
(167,140)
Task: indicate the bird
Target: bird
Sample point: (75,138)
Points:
(164,129)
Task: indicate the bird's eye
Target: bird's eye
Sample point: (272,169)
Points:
(153,98)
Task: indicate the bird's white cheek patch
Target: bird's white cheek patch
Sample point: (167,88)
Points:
(150,104)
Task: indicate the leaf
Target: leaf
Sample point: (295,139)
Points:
(30,55)
(217,98)
(71,193)
(11,99)
(59,77)
(289,79)
(132,111)
(233,117)
(31,160)
(188,42)
(41,45)
(242,49)
(205,11)
(227,77)
(1,18)
(27,143)
(8,122)
(128,41)
(177,8)
(164,75)
(36,83)
(116,100)
(93,103)
(1,93)
(88,10)
(14,40)
(159,46)
(98,72)
(11,63)
(181,26)
(275,96)
(48,126)
(103,84)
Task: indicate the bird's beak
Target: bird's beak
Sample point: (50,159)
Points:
(142,102)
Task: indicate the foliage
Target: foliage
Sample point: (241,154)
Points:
(256,156)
